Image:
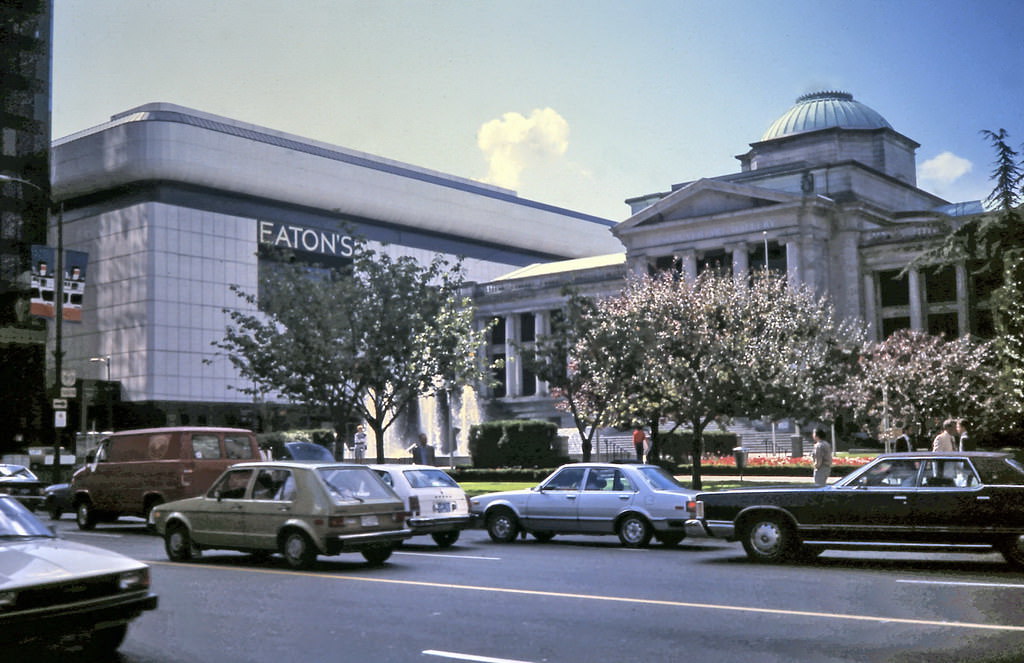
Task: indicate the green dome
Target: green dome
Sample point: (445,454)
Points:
(825,110)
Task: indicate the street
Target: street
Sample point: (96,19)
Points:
(572,600)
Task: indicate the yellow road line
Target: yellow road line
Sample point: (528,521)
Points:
(623,599)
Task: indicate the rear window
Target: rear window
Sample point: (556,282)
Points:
(354,483)
(429,479)
(999,471)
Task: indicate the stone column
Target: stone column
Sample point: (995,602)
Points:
(541,328)
(793,272)
(917,321)
(870,311)
(688,263)
(512,381)
(740,258)
(963,300)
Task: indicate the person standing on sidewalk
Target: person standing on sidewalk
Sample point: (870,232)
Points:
(965,441)
(946,440)
(822,454)
(639,442)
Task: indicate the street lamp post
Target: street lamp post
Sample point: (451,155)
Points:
(110,404)
(58,314)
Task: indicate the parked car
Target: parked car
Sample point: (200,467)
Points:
(903,498)
(132,471)
(436,503)
(299,509)
(303,451)
(635,502)
(57,500)
(52,590)
(19,482)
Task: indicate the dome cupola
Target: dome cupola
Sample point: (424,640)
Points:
(825,110)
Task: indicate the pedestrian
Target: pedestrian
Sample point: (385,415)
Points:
(903,442)
(422,453)
(359,444)
(946,440)
(965,442)
(822,455)
(639,443)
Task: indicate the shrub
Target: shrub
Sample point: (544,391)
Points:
(513,443)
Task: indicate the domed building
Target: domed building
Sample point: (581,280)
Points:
(828,195)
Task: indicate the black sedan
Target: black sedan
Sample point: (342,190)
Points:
(951,499)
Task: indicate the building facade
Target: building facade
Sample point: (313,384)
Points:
(175,206)
(828,195)
(25,49)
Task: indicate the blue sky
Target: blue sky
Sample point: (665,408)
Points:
(580,103)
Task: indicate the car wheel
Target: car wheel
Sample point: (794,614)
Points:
(377,555)
(671,539)
(634,532)
(85,515)
(445,539)
(502,526)
(543,537)
(769,539)
(178,543)
(1012,549)
(298,550)
(107,640)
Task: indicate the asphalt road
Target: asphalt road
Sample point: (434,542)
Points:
(573,600)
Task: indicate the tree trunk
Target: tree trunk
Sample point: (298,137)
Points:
(696,452)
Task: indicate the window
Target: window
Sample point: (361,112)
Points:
(429,479)
(605,478)
(205,446)
(948,473)
(890,474)
(527,327)
(892,325)
(270,485)
(237,447)
(893,289)
(571,478)
(940,285)
(231,486)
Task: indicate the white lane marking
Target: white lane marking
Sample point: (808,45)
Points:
(624,599)
(954,583)
(470,657)
(423,554)
(98,534)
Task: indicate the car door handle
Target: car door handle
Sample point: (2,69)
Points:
(571,497)
(284,508)
(901,498)
(624,498)
(983,497)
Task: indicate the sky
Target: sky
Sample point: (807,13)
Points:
(580,104)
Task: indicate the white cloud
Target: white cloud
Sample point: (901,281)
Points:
(944,168)
(513,143)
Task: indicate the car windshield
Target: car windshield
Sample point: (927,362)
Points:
(999,471)
(16,521)
(354,484)
(16,471)
(429,479)
(658,479)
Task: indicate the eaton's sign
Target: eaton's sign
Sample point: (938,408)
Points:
(303,239)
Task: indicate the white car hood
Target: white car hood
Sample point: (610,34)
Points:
(43,560)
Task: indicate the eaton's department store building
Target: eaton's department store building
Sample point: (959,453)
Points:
(172,206)
(827,195)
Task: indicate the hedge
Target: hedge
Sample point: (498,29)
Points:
(513,443)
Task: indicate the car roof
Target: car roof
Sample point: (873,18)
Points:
(946,454)
(404,466)
(304,464)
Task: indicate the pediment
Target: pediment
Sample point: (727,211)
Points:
(704,198)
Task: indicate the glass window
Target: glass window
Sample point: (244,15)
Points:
(205,446)
(943,324)
(898,473)
(570,478)
(999,471)
(231,486)
(940,285)
(270,484)
(891,325)
(606,478)
(527,327)
(893,288)
(354,483)
(948,473)
(658,479)
(429,479)
(237,447)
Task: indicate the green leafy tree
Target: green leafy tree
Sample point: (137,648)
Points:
(914,378)
(717,346)
(365,341)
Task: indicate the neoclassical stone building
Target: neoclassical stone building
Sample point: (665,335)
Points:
(827,195)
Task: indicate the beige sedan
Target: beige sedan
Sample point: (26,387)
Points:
(297,509)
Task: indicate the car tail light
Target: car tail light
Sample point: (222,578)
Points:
(414,504)
(400,516)
(336,522)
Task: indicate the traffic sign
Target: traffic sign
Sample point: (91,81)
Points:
(60,404)
(68,392)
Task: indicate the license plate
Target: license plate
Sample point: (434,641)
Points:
(442,507)
(369,521)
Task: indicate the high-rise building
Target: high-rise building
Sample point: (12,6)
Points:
(25,49)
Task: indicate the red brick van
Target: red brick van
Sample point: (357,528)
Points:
(132,471)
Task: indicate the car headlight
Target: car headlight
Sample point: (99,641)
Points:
(138,579)
(8,599)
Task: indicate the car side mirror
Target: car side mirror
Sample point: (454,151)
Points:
(90,457)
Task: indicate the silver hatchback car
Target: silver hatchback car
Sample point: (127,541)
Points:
(636,502)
